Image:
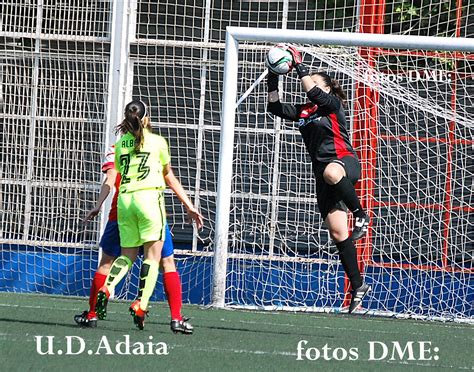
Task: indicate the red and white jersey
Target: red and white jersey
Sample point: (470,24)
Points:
(109,164)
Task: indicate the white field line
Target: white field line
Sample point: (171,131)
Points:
(86,305)
(337,328)
(250,322)
(451,326)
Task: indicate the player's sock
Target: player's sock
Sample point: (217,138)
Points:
(172,285)
(348,256)
(97,283)
(148,277)
(117,272)
(346,191)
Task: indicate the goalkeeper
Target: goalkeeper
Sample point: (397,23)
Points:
(110,244)
(322,125)
(143,160)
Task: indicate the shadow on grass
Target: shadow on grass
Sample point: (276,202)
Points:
(260,331)
(38,322)
(100,327)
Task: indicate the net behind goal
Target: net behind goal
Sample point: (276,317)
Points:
(67,69)
(411,120)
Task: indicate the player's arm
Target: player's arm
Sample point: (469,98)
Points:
(107,186)
(174,184)
(282,110)
(314,93)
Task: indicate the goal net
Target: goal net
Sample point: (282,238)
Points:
(411,117)
(409,112)
(54,72)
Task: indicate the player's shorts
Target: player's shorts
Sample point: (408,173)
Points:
(327,200)
(110,241)
(141,217)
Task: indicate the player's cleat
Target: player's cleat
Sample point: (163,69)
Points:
(101,304)
(361,226)
(182,326)
(357,296)
(138,314)
(84,320)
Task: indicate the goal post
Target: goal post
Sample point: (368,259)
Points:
(423,104)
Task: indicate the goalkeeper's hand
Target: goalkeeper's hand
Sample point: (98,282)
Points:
(300,68)
(296,54)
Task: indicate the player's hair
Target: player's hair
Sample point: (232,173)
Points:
(336,88)
(135,112)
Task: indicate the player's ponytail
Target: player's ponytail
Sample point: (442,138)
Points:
(134,122)
(338,92)
(336,88)
(135,127)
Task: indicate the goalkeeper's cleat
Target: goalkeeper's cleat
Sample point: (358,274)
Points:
(361,226)
(85,320)
(357,296)
(182,326)
(101,304)
(138,314)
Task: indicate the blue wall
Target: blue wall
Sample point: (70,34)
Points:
(256,283)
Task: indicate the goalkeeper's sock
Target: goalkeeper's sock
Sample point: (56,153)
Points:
(117,272)
(348,256)
(148,277)
(172,285)
(346,191)
(97,283)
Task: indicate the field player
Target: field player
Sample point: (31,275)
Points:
(143,161)
(110,244)
(322,124)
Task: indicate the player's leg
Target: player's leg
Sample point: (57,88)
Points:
(110,244)
(89,317)
(151,221)
(336,221)
(172,284)
(334,213)
(130,241)
(118,271)
(147,283)
(98,282)
(341,175)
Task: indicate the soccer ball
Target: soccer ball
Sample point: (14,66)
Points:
(279,60)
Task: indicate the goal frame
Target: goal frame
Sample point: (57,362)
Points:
(235,35)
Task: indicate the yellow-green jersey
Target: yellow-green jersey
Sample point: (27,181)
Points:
(143,169)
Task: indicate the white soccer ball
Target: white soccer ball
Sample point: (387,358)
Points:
(279,60)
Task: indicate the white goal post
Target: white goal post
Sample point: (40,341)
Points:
(235,36)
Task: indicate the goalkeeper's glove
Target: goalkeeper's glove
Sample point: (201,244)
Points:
(272,81)
(300,68)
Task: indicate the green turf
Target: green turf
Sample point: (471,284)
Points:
(223,339)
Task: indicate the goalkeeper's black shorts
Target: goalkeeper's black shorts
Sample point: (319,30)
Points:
(327,200)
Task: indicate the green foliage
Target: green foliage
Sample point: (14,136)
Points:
(406,11)
(422,17)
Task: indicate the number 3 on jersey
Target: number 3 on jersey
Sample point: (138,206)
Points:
(143,169)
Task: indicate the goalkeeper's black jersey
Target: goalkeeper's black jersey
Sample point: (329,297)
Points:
(322,124)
